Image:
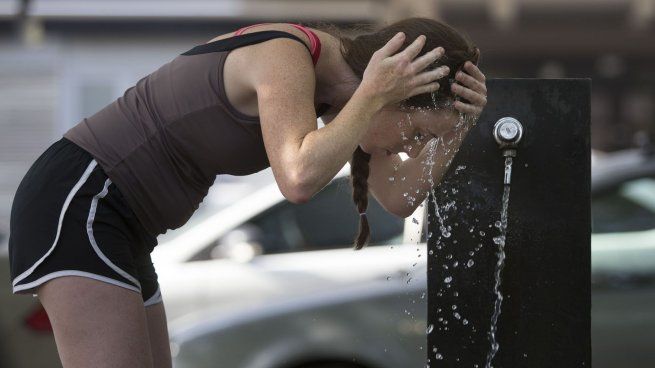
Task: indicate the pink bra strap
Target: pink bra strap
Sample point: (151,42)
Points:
(310,34)
(238,32)
(313,39)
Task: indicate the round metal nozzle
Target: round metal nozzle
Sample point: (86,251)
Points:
(508,132)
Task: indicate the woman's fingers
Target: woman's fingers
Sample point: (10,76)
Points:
(412,50)
(392,45)
(473,70)
(430,76)
(426,59)
(471,83)
(468,108)
(425,88)
(469,94)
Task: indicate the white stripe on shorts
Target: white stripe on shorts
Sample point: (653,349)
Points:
(77,186)
(154,299)
(92,239)
(53,275)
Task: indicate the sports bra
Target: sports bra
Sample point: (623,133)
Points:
(315,49)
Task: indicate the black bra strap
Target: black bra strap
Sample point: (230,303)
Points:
(237,41)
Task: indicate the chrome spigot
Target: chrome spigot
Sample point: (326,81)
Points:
(508,132)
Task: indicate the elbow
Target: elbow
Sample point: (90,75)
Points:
(296,197)
(297,190)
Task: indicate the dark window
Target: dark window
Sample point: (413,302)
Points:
(329,220)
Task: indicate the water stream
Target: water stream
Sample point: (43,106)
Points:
(439,148)
(500,241)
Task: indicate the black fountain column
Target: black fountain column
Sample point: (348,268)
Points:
(545,315)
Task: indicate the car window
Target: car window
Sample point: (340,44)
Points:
(629,207)
(329,220)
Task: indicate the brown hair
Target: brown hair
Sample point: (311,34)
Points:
(357,53)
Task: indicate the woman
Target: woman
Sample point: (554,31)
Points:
(87,213)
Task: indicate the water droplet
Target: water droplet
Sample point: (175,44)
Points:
(457,315)
(429,329)
(465,321)
(391,178)
(481,233)
(438,356)
(414,220)
(454,306)
(470,263)
(448,279)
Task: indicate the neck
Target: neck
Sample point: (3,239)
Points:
(335,80)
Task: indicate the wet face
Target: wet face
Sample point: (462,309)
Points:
(395,130)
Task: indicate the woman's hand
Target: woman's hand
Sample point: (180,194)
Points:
(472,87)
(393,78)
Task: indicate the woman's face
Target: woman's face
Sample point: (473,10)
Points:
(394,130)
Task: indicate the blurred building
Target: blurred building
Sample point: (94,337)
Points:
(62,60)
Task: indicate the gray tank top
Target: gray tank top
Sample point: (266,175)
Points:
(164,141)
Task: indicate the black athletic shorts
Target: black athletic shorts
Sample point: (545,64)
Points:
(69,219)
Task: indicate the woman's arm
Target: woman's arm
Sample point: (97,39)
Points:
(304,159)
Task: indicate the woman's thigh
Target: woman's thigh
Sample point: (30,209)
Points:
(158,332)
(96,324)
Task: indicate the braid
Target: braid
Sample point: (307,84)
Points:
(359,178)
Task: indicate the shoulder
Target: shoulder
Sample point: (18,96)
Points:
(284,27)
(281,59)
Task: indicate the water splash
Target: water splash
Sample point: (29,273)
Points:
(500,241)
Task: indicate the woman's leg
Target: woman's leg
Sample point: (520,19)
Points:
(96,324)
(158,332)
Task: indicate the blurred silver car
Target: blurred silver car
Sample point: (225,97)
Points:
(381,323)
